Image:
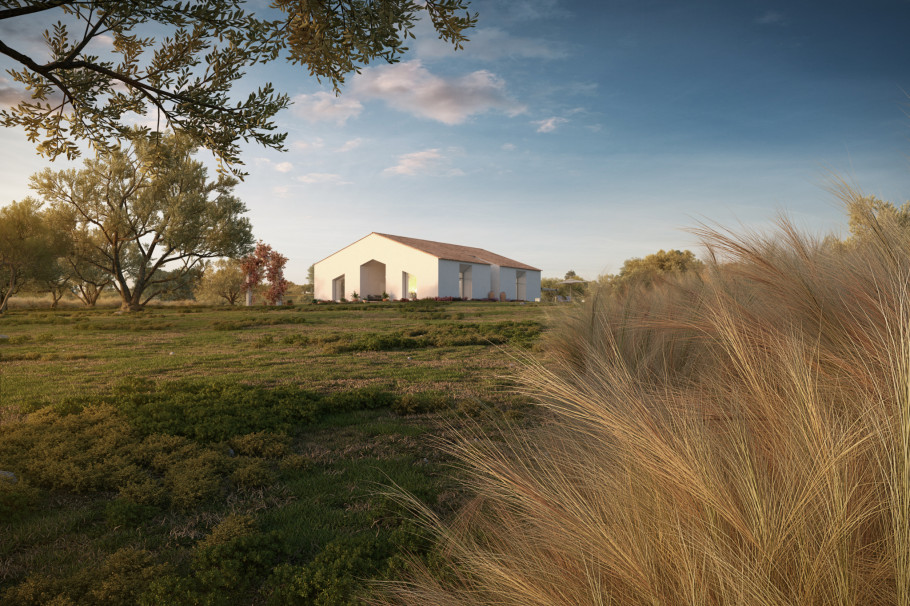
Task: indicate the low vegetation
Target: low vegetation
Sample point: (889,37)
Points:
(739,435)
(197,455)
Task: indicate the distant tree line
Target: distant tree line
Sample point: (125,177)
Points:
(143,220)
(868,218)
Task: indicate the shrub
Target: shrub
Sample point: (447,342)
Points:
(123,576)
(17,500)
(83,452)
(142,489)
(266,444)
(37,590)
(124,512)
(253,473)
(424,401)
(234,555)
(333,578)
(195,480)
(363,398)
(214,412)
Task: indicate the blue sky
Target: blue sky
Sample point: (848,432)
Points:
(574,135)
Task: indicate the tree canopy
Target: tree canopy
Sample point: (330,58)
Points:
(868,216)
(29,248)
(147,215)
(181,61)
(223,279)
(646,270)
(265,262)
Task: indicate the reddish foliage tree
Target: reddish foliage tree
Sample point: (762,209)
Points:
(268,263)
(274,272)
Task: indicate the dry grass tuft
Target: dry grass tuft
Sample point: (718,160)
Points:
(740,437)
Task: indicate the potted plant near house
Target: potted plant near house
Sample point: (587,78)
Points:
(355,297)
(385,296)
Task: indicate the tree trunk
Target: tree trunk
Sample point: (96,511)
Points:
(4,296)
(131,306)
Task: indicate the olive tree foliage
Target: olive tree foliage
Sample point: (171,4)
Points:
(868,217)
(180,60)
(56,282)
(175,285)
(224,279)
(648,269)
(29,248)
(75,274)
(147,215)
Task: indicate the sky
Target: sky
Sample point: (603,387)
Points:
(573,135)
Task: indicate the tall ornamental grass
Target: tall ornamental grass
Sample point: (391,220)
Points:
(740,436)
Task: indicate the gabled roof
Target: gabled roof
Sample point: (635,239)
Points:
(455,252)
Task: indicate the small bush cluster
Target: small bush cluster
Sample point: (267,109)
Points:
(450,334)
(253,322)
(17,499)
(424,401)
(58,318)
(131,325)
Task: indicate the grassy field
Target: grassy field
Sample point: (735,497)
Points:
(219,456)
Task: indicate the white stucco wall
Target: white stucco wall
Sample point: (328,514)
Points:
(482,281)
(448,279)
(494,281)
(397,258)
(508,283)
(533,285)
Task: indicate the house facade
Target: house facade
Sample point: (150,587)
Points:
(412,268)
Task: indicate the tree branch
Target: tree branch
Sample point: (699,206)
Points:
(36,8)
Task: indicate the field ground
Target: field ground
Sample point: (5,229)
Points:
(232,455)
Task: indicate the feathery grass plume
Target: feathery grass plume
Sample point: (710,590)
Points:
(741,436)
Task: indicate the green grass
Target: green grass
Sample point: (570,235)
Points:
(221,456)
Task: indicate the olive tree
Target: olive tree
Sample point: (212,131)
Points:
(650,268)
(181,60)
(223,279)
(147,214)
(29,248)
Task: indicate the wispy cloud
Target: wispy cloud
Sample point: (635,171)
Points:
(508,147)
(350,145)
(326,107)
(426,162)
(489,44)
(10,96)
(284,167)
(316,143)
(411,88)
(771,18)
(323,179)
(549,125)
(529,10)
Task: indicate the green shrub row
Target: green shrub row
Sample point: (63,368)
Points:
(131,325)
(452,334)
(250,322)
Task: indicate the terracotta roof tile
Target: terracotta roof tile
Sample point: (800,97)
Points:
(455,252)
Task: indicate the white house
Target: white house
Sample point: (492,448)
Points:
(417,269)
